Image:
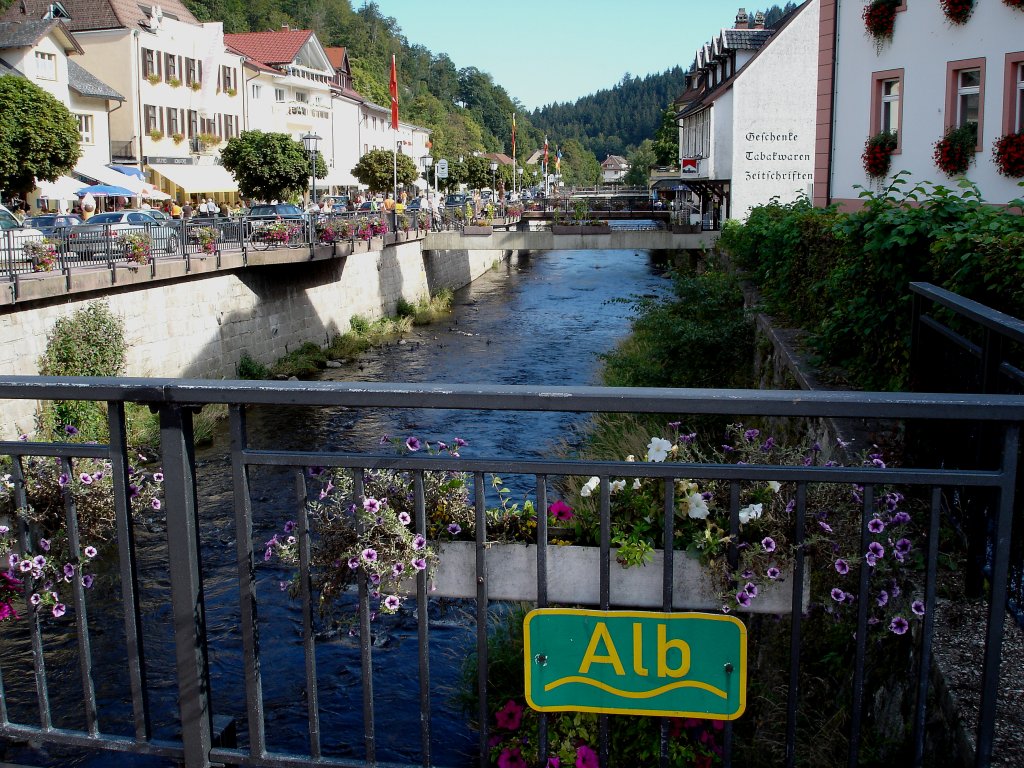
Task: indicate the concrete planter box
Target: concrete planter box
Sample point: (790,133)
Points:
(580,229)
(683,229)
(474,229)
(574,578)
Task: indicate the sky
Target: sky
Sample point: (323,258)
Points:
(545,51)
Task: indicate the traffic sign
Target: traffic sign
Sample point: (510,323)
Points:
(635,663)
(442,169)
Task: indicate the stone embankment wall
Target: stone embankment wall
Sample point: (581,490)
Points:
(199,327)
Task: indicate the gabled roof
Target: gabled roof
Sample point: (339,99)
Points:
(277,47)
(615,161)
(27,33)
(100,14)
(7,69)
(85,83)
(535,158)
(338,54)
(499,157)
(749,39)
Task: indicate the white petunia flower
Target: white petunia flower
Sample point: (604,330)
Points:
(696,506)
(658,449)
(636,484)
(750,512)
(617,485)
(774,485)
(590,486)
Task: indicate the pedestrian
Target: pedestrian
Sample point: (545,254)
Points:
(186,210)
(389,203)
(175,210)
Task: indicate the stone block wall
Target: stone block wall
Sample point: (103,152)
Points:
(199,326)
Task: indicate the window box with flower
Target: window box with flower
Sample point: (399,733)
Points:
(42,254)
(957,11)
(137,247)
(954,152)
(880,19)
(207,239)
(1008,154)
(1017,4)
(877,156)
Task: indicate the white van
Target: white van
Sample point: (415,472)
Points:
(13,237)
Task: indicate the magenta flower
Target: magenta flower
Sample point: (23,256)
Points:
(875,525)
(773,573)
(560,510)
(403,518)
(86,478)
(511,758)
(60,609)
(90,552)
(898,625)
(842,567)
(391,603)
(838,595)
(418,542)
(917,607)
(510,716)
(353,562)
(413,444)
(553,762)
(369,555)
(768,543)
(419,564)
(586,757)
(155,503)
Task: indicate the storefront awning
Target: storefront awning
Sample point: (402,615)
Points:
(196,179)
(336,177)
(101,174)
(64,188)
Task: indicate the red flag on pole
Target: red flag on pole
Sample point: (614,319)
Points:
(513,135)
(393,89)
(545,150)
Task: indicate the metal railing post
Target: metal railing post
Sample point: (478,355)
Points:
(187,600)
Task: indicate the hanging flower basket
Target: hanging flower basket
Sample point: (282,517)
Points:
(1008,153)
(1017,4)
(136,246)
(880,19)
(957,11)
(877,157)
(42,254)
(955,150)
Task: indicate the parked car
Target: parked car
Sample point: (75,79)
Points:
(339,208)
(97,237)
(13,237)
(229,227)
(55,226)
(416,204)
(369,206)
(455,201)
(268,211)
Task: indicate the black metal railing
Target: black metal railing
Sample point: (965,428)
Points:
(961,345)
(190,559)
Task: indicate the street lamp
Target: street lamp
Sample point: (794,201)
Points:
(428,161)
(520,170)
(494,168)
(311,142)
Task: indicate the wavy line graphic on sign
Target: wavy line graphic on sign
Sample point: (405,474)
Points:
(636,694)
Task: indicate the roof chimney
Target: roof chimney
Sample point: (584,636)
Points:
(285,28)
(742,20)
(759,20)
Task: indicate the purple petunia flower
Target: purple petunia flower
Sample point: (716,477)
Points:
(35,599)
(158,477)
(419,564)
(917,607)
(385,439)
(750,588)
(875,525)
(71,429)
(353,562)
(904,546)
(790,506)
(375,579)
(87,580)
(39,561)
(460,443)
(371,505)
(747,574)
(454,529)
(418,542)
(413,444)
(838,595)
(369,555)
(403,518)
(871,559)
(85,478)
(768,543)
(876,549)
(750,434)
(133,491)
(773,573)
(44,544)
(25,566)
(289,526)
(842,567)
(391,603)
(63,479)
(898,625)
(825,526)
(59,610)
(900,518)
(743,599)
(69,571)
(882,599)
(155,503)
(398,569)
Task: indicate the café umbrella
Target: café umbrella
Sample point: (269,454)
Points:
(105,190)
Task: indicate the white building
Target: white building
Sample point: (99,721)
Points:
(614,168)
(375,133)
(746,121)
(181,86)
(931,75)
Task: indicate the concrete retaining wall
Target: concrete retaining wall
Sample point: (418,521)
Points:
(199,326)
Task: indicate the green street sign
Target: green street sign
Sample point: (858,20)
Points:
(635,663)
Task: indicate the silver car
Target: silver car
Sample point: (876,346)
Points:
(98,237)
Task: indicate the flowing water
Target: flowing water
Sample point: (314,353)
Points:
(537,319)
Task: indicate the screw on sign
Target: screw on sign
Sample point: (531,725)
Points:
(635,663)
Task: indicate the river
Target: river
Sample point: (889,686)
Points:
(538,319)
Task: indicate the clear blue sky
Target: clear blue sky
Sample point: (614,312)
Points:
(543,51)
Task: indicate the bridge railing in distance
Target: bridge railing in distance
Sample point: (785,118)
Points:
(28,697)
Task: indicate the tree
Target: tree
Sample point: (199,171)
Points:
(269,166)
(38,136)
(666,140)
(640,162)
(376,169)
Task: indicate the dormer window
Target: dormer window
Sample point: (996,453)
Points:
(57,11)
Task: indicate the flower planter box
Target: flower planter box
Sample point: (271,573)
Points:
(580,229)
(574,578)
(474,229)
(686,229)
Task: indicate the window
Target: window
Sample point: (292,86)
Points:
(171,67)
(279,94)
(152,121)
(301,96)
(1013,94)
(150,62)
(229,127)
(965,95)
(887,103)
(46,66)
(173,121)
(193,123)
(227,79)
(193,72)
(257,91)
(84,128)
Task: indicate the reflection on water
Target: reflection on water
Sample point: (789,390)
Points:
(539,319)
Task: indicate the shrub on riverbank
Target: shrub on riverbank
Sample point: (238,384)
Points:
(844,276)
(427,310)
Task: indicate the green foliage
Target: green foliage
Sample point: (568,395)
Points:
(269,166)
(666,140)
(89,342)
(38,136)
(579,166)
(302,363)
(250,368)
(376,169)
(844,276)
(640,162)
(701,337)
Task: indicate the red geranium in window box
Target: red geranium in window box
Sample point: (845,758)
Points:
(877,155)
(1008,152)
(1018,4)
(955,150)
(880,18)
(958,11)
